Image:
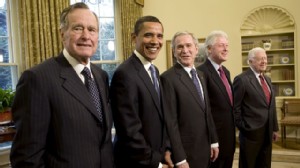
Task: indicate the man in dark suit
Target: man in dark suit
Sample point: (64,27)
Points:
(137,103)
(58,123)
(255,112)
(191,127)
(219,88)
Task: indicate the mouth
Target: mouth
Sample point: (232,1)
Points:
(152,49)
(84,45)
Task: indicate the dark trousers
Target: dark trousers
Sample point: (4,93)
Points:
(224,162)
(255,149)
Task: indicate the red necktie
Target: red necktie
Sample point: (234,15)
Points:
(226,84)
(265,88)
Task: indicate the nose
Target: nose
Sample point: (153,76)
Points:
(85,34)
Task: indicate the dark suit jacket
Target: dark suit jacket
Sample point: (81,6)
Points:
(57,123)
(138,117)
(221,108)
(191,128)
(251,110)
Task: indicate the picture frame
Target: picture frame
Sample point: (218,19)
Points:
(171,59)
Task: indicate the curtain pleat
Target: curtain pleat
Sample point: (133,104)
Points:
(39,22)
(130,12)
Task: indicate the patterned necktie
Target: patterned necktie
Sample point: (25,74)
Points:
(154,79)
(196,83)
(94,92)
(226,84)
(265,88)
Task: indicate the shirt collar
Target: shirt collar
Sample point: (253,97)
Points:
(187,69)
(145,62)
(78,67)
(215,65)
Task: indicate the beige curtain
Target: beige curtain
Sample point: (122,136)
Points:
(130,12)
(39,29)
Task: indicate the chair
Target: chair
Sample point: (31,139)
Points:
(290,116)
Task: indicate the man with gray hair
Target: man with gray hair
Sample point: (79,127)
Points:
(61,108)
(191,128)
(219,88)
(255,112)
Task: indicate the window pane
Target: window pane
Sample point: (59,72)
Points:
(107,50)
(103,8)
(6,73)
(109,68)
(4,56)
(107,28)
(3,23)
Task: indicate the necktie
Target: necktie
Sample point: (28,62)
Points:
(265,88)
(226,84)
(196,83)
(154,79)
(94,92)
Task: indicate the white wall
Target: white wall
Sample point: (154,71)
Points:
(201,17)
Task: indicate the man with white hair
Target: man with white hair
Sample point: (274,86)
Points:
(255,112)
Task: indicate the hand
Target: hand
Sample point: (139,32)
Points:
(183,165)
(275,136)
(168,159)
(165,166)
(214,153)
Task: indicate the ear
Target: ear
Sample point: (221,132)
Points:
(62,33)
(133,37)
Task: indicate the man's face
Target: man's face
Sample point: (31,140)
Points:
(80,37)
(149,40)
(259,62)
(219,51)
(185,50)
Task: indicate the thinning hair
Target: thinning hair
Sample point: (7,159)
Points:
(64,21)
(182,33)
(139,23)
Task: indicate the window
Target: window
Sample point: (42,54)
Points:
(8,67)
(106,56)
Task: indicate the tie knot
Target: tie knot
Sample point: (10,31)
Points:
(86,72)
(152,68)
(261,77)
(193,72)
(220,69)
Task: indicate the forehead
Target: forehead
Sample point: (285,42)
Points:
(82,16)
(184,39)
(221,39)
(152,26)
(260,54)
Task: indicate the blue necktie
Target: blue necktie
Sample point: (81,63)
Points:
(196,83)
(94,92)
(154,79)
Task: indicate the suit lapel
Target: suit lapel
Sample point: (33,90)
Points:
(147,81)
(216,77)
(75,86)
(254,82)
(187,82)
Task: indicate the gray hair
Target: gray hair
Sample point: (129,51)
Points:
(181,33)
(252,53)
(212,37)
(64,22)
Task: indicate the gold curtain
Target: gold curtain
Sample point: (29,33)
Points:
(39,23)
(131,10)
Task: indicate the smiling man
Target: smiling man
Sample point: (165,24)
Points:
(191,127)
(60,122)
(137,103)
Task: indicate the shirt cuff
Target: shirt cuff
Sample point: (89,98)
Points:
(160,165)
(179,163)
(214,145)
